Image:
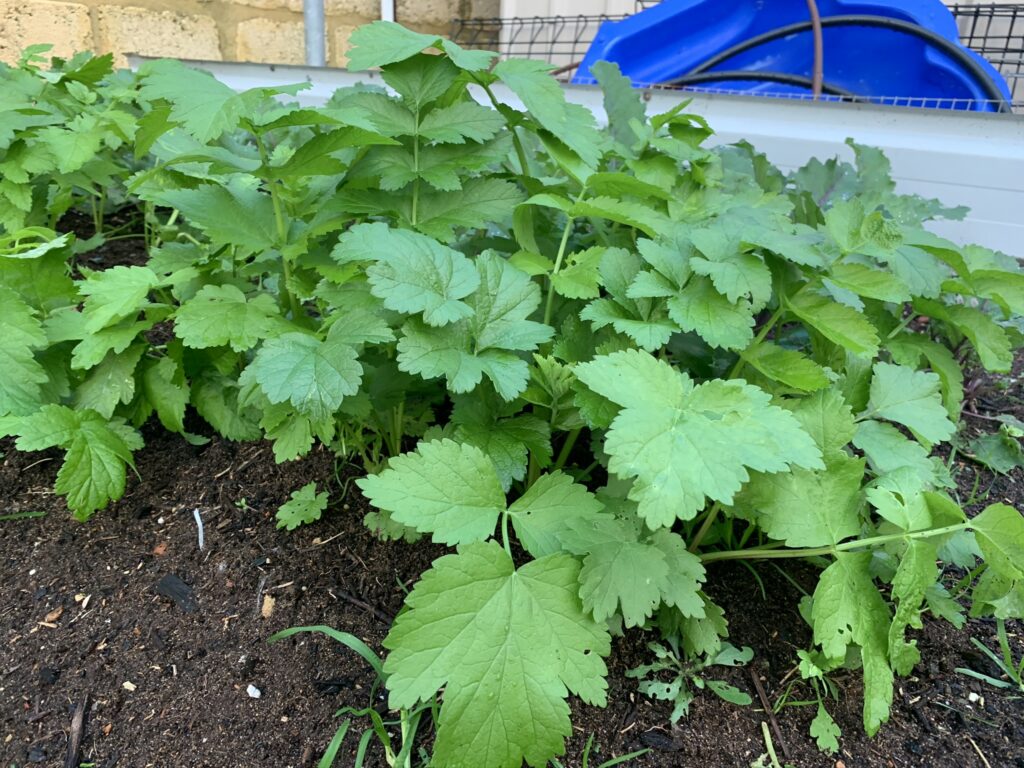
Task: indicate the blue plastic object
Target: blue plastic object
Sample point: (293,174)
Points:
(668,40)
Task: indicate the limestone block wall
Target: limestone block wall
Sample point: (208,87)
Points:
(218,30)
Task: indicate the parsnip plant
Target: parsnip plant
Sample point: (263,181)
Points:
(625,355)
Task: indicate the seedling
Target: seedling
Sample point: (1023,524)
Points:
(682,673)
(397,756)
(610,763)
(1013,670)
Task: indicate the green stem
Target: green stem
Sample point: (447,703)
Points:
(757,340)
(398,419)
(709,520)
(567,446)
(288,300)
(416,170)
(524,165)
(903,324)
(504,534)
(549,305)
(847,546)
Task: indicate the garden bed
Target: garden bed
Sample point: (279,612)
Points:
(620,379)
(190,668)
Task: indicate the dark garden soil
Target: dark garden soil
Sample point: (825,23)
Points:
(157,641)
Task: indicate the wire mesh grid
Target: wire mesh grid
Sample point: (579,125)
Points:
(995,30)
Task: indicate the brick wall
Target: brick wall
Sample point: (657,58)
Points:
(218,30)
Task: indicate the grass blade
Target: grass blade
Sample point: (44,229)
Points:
(332,749)
(346,639)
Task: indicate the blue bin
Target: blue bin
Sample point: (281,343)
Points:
(669,40)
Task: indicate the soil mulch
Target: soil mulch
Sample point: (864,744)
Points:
(159,646)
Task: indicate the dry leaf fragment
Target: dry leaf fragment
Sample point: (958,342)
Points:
(268,606)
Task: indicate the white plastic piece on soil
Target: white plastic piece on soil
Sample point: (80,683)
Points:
(199,524)
(253,691)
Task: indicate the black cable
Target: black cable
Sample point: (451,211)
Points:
(773,77)
(992,91)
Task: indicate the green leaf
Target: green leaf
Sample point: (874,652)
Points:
(872,283)
(508,443)
(479,202)
(239,216)
(622,102)
(1000,532)
(20,384)
(807,508)
(473,613)
(683,443)
(97,454)
(636,215)
(908,348)
(543,515)
(484,344)
(163,383)
(700,308)
(839,324)
(910,398)
(114,294)
(848,610)
(620,574)
(999,451)
(827,418)
(215,397)
(304,507)
(543,97)
(786,366)
(887,450)
(204,106)
(110,383)
(313,375)
(917,571)
(825,731)
(315,157)
(385,42)
(446,489)
(580,277)
(413,273)
(460,121)
(733,272)
(988,339)
(222,315)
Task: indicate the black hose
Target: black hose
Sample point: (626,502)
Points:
(992,91)
(772,77)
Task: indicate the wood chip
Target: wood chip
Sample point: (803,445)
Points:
(160,549)
(268,606)
(128,685)
(55,614)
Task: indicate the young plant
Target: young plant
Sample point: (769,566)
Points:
(671,662)
(609,763)
(1014,671)
(408,722)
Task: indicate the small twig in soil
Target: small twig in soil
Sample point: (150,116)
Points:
(36,464)
(77,731)
(982,416)
(980,753)
(768,711)
(259,594)
(364,605)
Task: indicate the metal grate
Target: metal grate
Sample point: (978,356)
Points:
(995,30)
